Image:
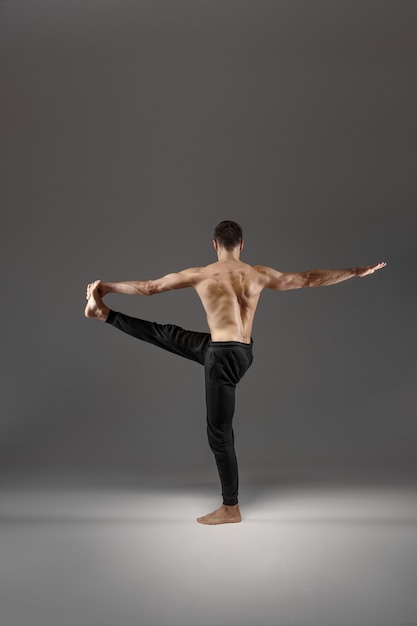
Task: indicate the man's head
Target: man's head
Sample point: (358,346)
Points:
(228,235)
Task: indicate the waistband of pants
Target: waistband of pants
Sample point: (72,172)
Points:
(225,344)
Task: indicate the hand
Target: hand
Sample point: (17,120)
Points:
(370,269)
(101,289)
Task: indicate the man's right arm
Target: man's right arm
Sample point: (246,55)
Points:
(281,281)
(126,287)
(176,280)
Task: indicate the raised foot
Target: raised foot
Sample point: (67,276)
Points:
(225,515)
(95,309)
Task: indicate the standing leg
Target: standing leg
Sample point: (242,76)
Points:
(226,363)
(220,397)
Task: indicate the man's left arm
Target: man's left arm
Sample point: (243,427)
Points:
(281,281)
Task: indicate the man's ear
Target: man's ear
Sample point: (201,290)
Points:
(242,243)
(216,245)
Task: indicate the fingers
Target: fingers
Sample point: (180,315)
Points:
(376,267)
(370,269)
(90,288)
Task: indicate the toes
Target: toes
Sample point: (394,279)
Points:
(208,519)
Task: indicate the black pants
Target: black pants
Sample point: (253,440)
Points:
(225,362)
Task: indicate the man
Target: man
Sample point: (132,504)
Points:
(229,291)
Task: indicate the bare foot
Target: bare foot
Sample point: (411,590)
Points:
(225,515)
(95,306)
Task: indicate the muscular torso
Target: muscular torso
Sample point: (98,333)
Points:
(229,292)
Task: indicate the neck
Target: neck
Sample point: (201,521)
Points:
(226,255)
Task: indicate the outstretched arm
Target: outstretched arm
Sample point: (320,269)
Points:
(281,281)
(178,280)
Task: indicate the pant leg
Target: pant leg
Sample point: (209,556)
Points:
(186,343)
(226,363)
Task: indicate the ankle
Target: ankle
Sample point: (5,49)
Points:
(103,313)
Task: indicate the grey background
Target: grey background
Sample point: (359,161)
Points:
(129,130)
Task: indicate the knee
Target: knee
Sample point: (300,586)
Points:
(220,442)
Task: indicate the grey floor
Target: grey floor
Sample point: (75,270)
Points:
(303,556)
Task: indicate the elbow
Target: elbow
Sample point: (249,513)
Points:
(147,288)
(151,288)
(308,279)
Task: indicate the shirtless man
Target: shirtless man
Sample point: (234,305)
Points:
(229,291)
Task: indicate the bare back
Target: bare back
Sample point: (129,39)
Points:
(229,292)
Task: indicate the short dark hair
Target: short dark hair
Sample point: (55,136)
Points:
(228,234)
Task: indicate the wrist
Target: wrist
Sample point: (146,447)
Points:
(105,288)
